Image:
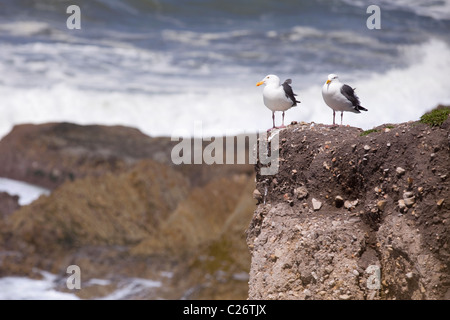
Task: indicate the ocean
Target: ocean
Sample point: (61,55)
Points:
(160,66)
(165,66)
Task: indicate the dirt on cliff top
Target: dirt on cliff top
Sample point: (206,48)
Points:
(389,160)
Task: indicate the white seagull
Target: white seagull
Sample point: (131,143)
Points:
(276,97)
(340,97)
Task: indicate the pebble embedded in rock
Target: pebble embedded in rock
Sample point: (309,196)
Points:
(401,204)
(350,204)
(400,171)
(409,201)
(257,195)
(338,201)
(301,192)
(307,292)
(408,194)
(278,253)
(381,205)
(316,204)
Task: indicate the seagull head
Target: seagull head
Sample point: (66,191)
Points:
(270,79)
(332,77)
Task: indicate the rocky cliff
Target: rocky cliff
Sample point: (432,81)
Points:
(354,215)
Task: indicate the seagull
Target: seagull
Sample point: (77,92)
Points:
(340,97)
(276,97)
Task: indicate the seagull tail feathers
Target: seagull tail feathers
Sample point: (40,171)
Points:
(362,108)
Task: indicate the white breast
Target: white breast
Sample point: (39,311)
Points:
(275,98)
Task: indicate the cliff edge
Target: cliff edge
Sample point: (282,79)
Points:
(354,214)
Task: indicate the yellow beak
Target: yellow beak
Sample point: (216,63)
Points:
(328,81)
(259,83)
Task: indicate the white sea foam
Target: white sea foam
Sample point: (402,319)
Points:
(22,288)
(131,287)
(24,28)
(27,192)
(439,10)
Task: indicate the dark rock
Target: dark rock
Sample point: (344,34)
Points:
(8,204)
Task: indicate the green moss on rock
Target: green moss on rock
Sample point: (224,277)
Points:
(436,117)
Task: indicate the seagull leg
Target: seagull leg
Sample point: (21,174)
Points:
(282,121)
(342,115)
(334,115)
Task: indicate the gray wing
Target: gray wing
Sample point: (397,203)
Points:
(288,91)
(349,93)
